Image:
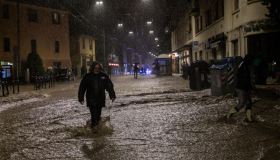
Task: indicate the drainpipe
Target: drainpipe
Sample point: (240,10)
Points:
(17,51)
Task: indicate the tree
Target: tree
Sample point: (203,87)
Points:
(273,7)
(34,63)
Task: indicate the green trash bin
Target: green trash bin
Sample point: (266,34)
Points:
(218,80)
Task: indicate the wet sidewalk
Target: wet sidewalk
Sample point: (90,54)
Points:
(28,92)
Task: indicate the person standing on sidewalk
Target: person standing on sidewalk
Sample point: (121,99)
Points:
(94,85)
(135,70)
(243,88)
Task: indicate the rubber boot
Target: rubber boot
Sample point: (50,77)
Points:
(249,115)
(231,112)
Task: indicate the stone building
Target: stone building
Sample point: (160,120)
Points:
(82,52)
(33,27)
(215,29)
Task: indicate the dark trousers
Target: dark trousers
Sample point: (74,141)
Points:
(95,112)
(244,99)
(135,74)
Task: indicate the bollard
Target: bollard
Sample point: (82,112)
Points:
(13,85)
(3,89)
(18,86)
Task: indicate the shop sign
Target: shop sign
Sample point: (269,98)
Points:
(262,25)
(195,45)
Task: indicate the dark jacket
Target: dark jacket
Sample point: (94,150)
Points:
(94,85)
(243,77)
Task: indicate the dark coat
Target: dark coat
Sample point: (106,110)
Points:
(94,85)
(243,77)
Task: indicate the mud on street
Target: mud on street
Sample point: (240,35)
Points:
(152,118)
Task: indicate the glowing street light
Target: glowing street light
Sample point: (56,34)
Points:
(156,39)
(151,32)
(149,22)
(120,25)
(131,33)
(99,3)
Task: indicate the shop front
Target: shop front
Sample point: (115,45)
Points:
(184,57)
(217,46)
(263,41)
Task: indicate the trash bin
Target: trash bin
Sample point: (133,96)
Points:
(232,66)
(223,75)
(194,77)
(198,75)
(204,74)
(218,79)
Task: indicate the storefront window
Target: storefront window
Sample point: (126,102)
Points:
(7,44)
(235,5)
(6,11)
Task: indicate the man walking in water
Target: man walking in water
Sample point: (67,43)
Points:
(94,85)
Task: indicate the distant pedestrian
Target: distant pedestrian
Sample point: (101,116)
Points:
(94,85)
(243,88)
(135,70)
(184,67)
(109,71)
(157,68)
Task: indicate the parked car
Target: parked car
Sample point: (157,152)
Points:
(63,74)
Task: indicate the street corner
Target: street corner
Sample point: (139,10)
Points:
(20,99)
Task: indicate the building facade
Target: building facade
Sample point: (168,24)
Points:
(27,28)
(82,53)
(215,29)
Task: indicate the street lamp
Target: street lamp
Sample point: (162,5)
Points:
(149,23)
(151,32)
(156,39)
(99,3)
(131,33)
(120,25)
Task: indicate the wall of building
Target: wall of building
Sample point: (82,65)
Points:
(231,25)
(235,21)
(8,28)
(86,50)
(44,32)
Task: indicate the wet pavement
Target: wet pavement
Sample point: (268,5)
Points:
(152,118)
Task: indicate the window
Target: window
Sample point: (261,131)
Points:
(84,45)
(55,18)
(190,24)
(198,24)
(56,46)
(33,46)
(6,11)
(221,8)
(236,5)
(7,44)
(32,15)
(208,17)
(200,55)
(195,54)
(252,1)
(216,11)
(235,47)
(90,44)
(214,53)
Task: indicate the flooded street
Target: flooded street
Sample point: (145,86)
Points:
(152,118)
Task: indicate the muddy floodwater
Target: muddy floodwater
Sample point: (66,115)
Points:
(155,118)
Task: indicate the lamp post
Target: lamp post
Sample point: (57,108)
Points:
(17,50)
(99,5)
